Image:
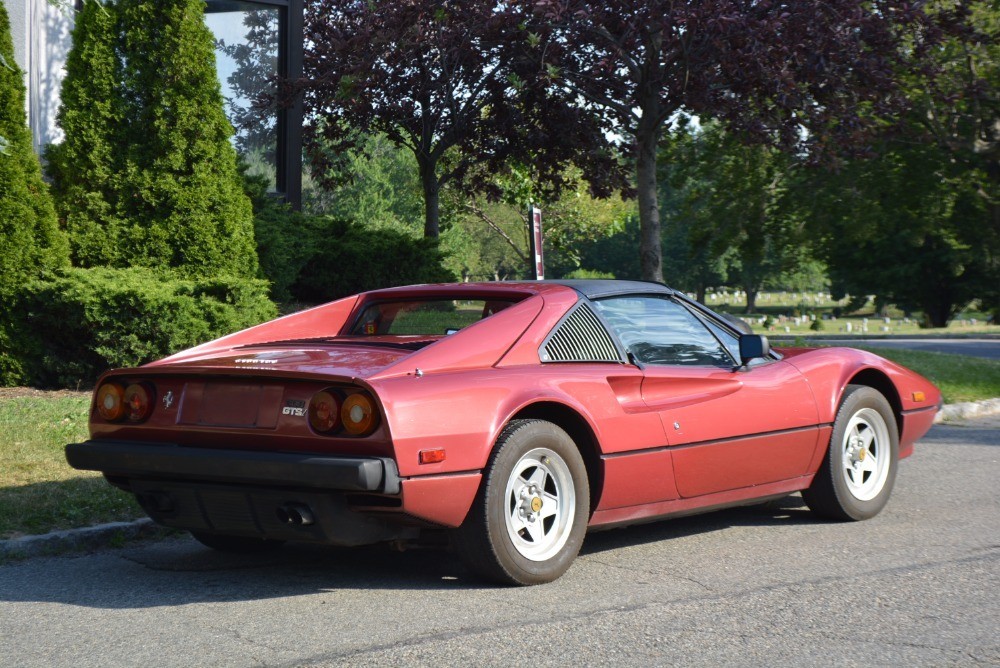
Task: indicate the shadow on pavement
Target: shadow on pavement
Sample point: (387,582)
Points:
(180,571)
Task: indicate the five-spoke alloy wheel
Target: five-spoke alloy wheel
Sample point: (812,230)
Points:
(530,515)
(856,478)
(541,504)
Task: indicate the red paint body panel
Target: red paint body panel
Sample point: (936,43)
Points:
(659,440)
(464,412)
(654,468)
(744,462)
(325,320)
(742,440)
(525,351)
(830,370)
(444,500)
(477,346)
(650,511)
(711,404)
(915,425)
(312,361)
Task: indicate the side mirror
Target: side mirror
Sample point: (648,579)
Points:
(753,346)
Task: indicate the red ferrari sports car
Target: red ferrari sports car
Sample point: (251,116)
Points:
(514,416)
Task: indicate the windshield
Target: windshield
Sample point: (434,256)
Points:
(426,317)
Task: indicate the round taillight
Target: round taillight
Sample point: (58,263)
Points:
(324,412)
(138,402)
(111,402)
(358,415)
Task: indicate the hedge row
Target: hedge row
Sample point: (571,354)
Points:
(65,330)
(316,259)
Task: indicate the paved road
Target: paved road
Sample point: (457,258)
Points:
(989,348)
(768,585)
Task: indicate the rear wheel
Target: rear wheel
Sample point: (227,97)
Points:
(236,544)
(856,477)
(527,523)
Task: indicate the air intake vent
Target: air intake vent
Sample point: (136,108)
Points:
(580,338)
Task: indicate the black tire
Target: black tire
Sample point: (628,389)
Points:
(236,544)
(856,477)
(530,515)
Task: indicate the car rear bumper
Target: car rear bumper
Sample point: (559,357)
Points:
(129,459)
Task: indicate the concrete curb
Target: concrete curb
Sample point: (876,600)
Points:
(967,410)
(116,533)
(94,537)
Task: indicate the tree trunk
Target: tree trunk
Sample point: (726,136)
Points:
(650,249)
(751,299)
(432,189)
(937,313)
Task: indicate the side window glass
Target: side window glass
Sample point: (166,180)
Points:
(728,339)
(662,332)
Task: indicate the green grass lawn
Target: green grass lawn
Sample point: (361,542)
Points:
(959,377)
(794,313)
(39,492)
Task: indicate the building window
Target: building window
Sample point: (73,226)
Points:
(256,40)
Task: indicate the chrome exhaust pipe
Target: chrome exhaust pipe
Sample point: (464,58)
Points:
(296,514)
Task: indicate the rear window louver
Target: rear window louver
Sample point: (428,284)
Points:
(580,338)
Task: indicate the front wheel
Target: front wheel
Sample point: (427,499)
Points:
(857,475)
(527,523)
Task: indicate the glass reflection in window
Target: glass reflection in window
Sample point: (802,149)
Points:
(662,332)
(246,54)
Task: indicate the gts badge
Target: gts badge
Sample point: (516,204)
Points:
(294,407)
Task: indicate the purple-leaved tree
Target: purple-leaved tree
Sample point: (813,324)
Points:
(446,80)
(808,74)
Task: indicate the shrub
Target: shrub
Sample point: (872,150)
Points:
(588,273)
(286,239)
(147,175)
(65,330)
(30,239)
(314,258)
(350,258)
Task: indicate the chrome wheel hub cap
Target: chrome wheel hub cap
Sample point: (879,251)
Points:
(866,454)
(540,504)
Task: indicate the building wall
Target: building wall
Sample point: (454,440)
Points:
(41,32)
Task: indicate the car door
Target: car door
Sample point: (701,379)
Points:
(727,426)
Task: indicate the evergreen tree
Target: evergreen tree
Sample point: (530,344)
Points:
(86,166)
(30,238)
(147,175)
(186,206)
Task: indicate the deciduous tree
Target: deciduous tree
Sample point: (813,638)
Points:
(908,227)
(919,223)
(736,202)
(813,73)
(444,80)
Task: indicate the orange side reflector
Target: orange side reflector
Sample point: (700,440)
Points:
(431,456)
(919,396)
